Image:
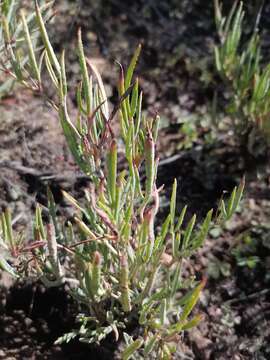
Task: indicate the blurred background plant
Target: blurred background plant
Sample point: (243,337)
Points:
(11,36)
(123,269)
(239,62)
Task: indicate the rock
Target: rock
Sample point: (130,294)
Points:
(9,330)
(17,340)
(32,330)
(28,322)
(202,344)
(25,350)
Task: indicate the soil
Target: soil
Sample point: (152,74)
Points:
(177,76)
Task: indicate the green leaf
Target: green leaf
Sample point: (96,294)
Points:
(173,204)
(132,66)
(46,40)
(4,265)
(193,322)
(85,76)
(188,232)
(32,57)
(63,79)
(180,219)
(176,280)
(50,70)
(105,107)
(150,344)
(39,222)
(131,349)
(9,232)
(200,237)
(163,312)
(112,171)
(72,136)
(192,301)
(134,98)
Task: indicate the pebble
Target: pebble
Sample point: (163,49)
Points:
(12,194)
(44,328)
(13,351)
(32,330)
(28,322)
(57,348)
(19,313)
(17,340)
(25,348)
(9,330)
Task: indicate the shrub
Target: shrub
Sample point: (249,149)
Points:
(118,264)
(246,78)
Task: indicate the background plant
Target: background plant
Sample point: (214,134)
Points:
(240,65)
(120,266)
(12,37)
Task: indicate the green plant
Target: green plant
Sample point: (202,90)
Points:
(246,250)
(248,80)
(119,265)
(12,38)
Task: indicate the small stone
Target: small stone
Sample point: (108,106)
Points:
(28,322)
(12,194)
(32,330)
(9,330)
(45,328)
(19,313)
(57,349)
(25,348)
(26,351)
(17,340)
